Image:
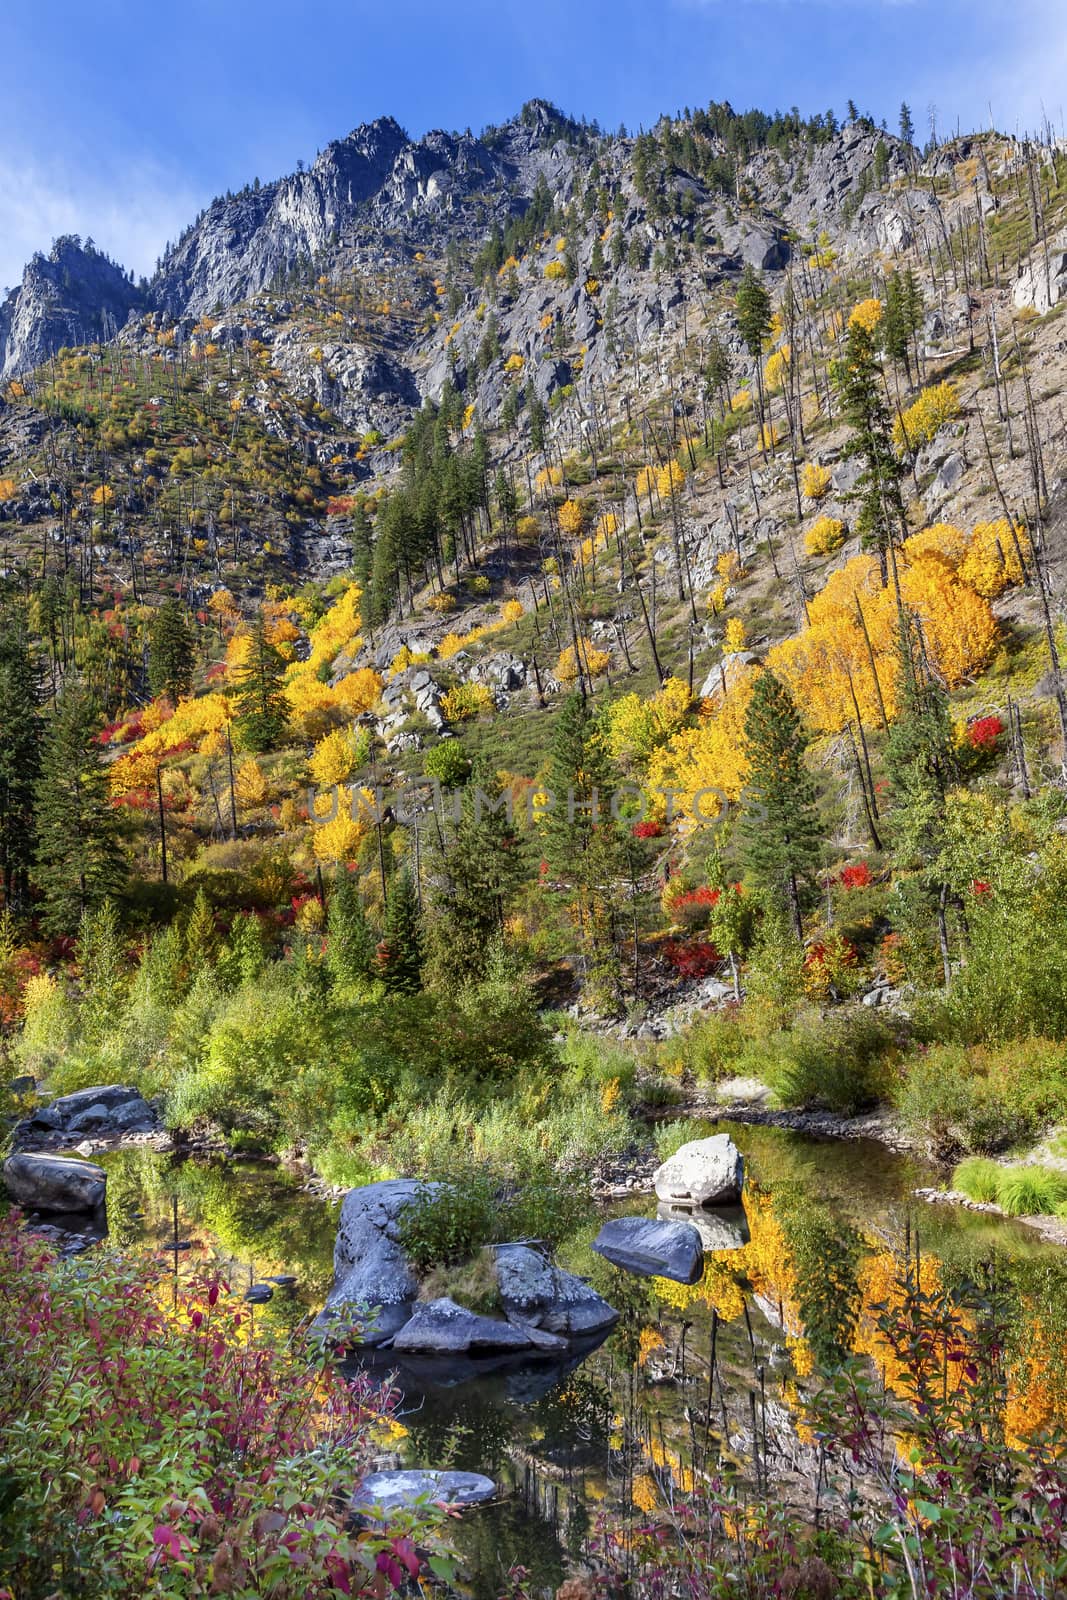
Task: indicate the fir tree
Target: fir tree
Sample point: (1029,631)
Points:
(906,125)
(171,652)
(476,872)
(860,382)
(780,825)
(349,947)
(922,768)
(20,757)
(79,861)
(262,711)
(201,941)
(753,306)
(400,952)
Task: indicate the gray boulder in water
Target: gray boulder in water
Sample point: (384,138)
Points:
(705,1172)
(371,1269)
(441,1327)
(535,1292)
(54,1183)
(653,1247)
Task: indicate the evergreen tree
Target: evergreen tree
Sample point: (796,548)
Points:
(860,382)
(779,825)
(262,711)
(349,947)
(400,952)
(903,316)
(201,941)
(753,306)
(78,860)
(907,126)
(922,768)
(582,844)
(171,652)
(20,756)
(476,872)
(536,412)
(102,960)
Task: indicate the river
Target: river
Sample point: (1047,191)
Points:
(610,1437)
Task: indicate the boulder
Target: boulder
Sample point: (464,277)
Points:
(106,1109)
(705,1172)
(653,1247)
(382,1493)
(1039,290)
(54,1183)
(441,1327)
(371,1270)
(536,1292)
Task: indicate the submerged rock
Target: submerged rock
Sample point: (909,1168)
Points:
(384,1492)
(705,1172)
(653,1247)
(54,1183)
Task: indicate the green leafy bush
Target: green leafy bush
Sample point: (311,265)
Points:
(845,1061)
(972,1101)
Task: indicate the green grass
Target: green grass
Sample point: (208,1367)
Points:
(978,1179)
(1031,1191)
(1024,1191)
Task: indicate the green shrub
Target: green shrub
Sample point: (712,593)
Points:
(845,1061)
(669,1138)
(978,1178)
(472,1208)
(448,1225)
(978,1100)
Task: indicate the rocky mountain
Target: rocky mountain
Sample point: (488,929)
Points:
(74,295)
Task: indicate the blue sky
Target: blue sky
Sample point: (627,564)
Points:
(122,120)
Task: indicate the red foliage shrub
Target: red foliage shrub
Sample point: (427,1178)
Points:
(984,732)
(695,959)
(857,876)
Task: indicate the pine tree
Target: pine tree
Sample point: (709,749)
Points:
(262,711)
(349,947)
(21,734)
(903,316)
(78,860)
(102,960)
(400,952)
(860,382)
(582,843)
(171,652)
(780,825)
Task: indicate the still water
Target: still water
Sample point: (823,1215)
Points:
(690,1380)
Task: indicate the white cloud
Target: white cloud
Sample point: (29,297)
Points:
(130,214)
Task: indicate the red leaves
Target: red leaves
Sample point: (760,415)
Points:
(856,877)
(984,732)
(696,959)
(648,830)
